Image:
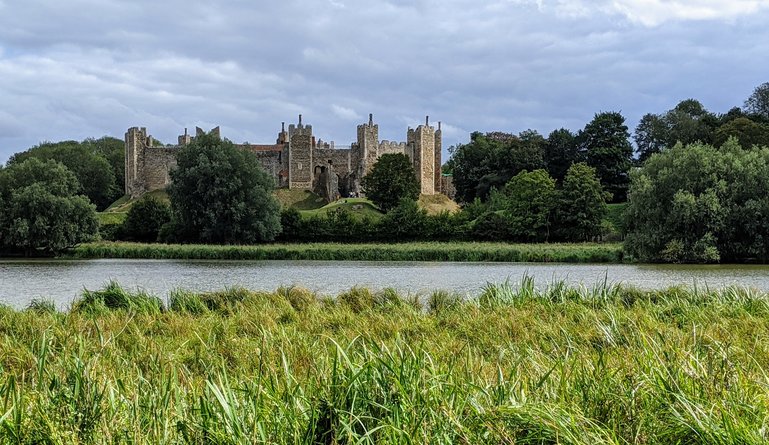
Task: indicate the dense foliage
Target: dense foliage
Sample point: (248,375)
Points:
(40,210)
(145,218)
(391,179)
(607,149)
(98,165)
(697,203)
(581,204)
(220,194)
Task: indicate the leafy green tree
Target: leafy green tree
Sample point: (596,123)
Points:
(472,161)
(145,218)
(689,122)
(530,199)
(489,161)
(650,136)
(747,132)
(93,171)
(581,204)
(605,143)
(40,212)
(220,194)
(391,179)
(405,221)
(561,151)
(758,102)
(697,203)
(113,150)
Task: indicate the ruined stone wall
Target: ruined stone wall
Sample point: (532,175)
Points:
(340,158)
(158,162)
(272,163)
(388,147)
(147,168)
(447,186)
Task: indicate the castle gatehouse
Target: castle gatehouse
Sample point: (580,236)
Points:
(296,160)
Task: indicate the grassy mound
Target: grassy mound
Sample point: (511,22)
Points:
(125,203)
(299,199)
(356,206)
(435,204)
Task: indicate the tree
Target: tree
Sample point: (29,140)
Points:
(220,194)
(758,102)
(689,122)
(95,175)
(40,212)
(405,221)
(561,152)
(747,132)
(697,203)
(605,143)
(145,218)
(650,136)
(530,199)
(391,179)
(489,161)
(581,204)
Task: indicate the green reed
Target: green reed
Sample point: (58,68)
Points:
(416,251)
(521,362)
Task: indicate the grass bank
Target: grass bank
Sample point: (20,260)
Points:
(515,365)
(417,251)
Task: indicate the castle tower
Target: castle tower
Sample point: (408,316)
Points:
(300,147)
(368,143)
(185,139)
(438,160)
(135,144)
(422,142)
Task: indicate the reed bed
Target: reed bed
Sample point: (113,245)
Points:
(515,364)
(416,251)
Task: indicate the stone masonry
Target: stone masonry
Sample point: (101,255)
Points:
(297,160)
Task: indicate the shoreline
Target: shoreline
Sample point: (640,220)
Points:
(604,253)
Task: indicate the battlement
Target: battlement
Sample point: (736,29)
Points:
(299,129)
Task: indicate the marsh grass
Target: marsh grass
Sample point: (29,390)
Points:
(416,251)
(518,364)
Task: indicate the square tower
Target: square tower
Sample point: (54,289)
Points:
(300,147)
(422,141)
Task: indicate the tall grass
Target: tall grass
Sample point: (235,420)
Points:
(416,251)
(516,364)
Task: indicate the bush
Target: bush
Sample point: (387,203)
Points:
(145,219)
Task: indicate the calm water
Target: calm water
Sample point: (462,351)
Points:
(62,281)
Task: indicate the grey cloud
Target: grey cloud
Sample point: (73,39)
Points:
(80,68)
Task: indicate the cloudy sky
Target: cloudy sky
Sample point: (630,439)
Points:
(71,69)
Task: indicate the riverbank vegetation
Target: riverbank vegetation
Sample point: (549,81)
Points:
(413,251)
(514,364)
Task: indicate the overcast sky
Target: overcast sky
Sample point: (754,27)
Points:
(71,69)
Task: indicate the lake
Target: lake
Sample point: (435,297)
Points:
(63,280)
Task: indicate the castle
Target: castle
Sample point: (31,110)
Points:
(297,160)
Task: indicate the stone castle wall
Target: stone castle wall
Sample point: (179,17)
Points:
(296,160)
